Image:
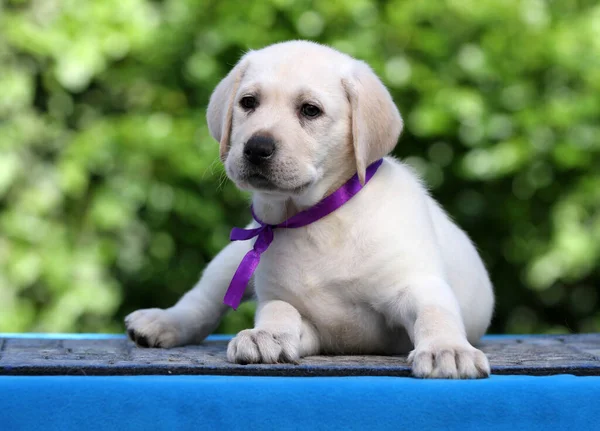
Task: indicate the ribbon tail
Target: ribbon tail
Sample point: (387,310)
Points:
(238,234)
(241,278)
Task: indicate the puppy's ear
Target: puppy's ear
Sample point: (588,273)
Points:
(376,122)
(220,107)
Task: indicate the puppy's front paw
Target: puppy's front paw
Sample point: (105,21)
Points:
(257,346)
(153,327)
(448,361)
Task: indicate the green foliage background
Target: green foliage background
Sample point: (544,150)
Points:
(112,197)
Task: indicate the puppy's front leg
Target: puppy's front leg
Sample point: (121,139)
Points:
(197,313)
(280,335)
(428,310)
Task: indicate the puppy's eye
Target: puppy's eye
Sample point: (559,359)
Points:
(249,102)
(310,111)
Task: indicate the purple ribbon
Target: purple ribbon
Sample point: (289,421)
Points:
(244,272)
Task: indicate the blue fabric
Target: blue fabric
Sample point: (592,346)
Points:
(277,403)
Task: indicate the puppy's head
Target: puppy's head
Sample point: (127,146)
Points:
(296,117)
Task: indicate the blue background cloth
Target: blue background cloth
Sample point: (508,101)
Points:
(278,403)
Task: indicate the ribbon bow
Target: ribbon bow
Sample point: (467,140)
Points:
(265,233)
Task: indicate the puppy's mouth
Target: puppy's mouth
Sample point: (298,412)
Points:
(260,182)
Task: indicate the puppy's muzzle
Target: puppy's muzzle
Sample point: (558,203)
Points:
(259,149)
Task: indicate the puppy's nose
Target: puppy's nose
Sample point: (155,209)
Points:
(259,149)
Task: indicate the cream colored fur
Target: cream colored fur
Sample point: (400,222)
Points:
(387,273)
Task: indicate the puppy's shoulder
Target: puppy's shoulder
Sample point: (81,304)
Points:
(405,185)
(399,176)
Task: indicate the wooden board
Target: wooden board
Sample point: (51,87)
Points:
(527,355)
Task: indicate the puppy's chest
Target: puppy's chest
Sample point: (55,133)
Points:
(328,276)
(318,262)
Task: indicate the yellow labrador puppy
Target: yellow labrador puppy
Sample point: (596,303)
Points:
(387,272)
